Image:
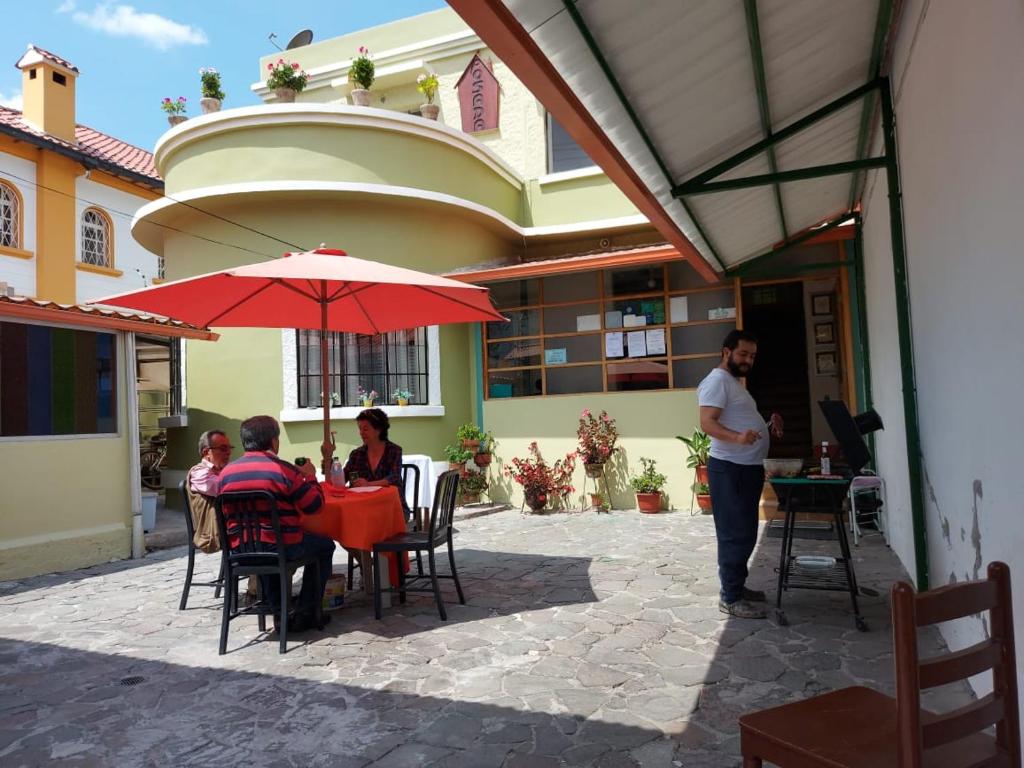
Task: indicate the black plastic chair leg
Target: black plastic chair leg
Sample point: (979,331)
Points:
(220,578)
(225,619)
(351,570)
(188,577)
(455,574)
(437,587)
(377,602)
(401,580)
(283,607)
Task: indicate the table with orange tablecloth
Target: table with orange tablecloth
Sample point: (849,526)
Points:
(359,520)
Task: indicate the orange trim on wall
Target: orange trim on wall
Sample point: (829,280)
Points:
(11,146)
(499,29)
(122,185)
(113,323)
(106,271)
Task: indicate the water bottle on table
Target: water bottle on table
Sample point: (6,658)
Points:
(337,476)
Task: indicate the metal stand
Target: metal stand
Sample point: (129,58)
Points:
(603,478)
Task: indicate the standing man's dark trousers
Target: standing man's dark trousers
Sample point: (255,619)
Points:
(735,494)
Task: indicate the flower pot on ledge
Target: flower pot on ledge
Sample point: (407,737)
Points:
(403,401)
(648,502)
(176,119)
(430,111)
(367,403)
(285,95)
(209,105)
(360,97)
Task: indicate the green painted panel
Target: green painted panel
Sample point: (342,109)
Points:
(588,199)
(63,378)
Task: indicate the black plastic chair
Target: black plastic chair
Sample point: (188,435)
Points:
(438,534)
(415,516)
(191,527)
(253,512)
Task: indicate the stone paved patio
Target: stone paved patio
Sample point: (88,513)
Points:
(587,640)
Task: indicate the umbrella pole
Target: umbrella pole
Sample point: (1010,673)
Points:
(327,447)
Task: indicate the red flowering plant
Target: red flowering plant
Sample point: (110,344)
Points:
(540,480)
(597,437)
(284,74)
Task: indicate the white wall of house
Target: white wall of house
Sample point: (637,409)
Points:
(138,265)
(959,107)
(21,273)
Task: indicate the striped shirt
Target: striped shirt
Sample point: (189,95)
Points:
(295,493)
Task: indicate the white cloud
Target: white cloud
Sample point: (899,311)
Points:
(12,100)
(66,7)
(125,21)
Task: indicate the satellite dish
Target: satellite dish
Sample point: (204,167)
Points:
(305,37)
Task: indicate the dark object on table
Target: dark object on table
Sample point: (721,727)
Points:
(438,533)
(857,726)
(848,430)
(191,528)
(300,461)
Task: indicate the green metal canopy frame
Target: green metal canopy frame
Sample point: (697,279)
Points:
(704,183)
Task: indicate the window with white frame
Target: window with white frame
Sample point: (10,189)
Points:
(10,216)
(564,154)
(96,239)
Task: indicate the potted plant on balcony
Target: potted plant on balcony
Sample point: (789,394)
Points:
(457,457)
(540,480)
(286,79)
(401,396)
(471,486)
(212,93)
(366,398)
(597,437)
(703,497)
(485,450)
(699,448)
(647,486)
(362,74)
(175,110)
(427,85)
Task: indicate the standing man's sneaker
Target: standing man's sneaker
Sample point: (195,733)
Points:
(742,609)
(753,595)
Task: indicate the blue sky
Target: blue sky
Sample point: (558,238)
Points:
(133,54)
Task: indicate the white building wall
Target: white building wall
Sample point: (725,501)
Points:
(138,265)
(959,107)
(21,273)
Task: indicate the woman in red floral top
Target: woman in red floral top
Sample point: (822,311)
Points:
(377,461)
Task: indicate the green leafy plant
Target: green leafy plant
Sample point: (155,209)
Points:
(456,454)
(649,480)
(597,436)
(427,85)
(211,83)
(285,74)
(699,447)
(174,107)
(487,443)
(362,69)
(470,432)
(702,489)
(473,483)
(401,394)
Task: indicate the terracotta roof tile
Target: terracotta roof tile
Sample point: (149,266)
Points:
(91,143)
(97,310)
(53,57)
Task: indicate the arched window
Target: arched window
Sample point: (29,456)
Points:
(10,216)
(97,248)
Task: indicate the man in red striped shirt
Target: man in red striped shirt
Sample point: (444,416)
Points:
(297,492)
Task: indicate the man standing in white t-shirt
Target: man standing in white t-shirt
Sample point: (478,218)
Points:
(739,445)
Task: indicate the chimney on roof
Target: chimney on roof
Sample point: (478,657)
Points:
(48,89)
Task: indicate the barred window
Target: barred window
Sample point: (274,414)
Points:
(10,217)
(384,363)
(96,245)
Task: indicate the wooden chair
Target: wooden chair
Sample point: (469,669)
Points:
(861,728)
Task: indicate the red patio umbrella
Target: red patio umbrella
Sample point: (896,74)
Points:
(324,290)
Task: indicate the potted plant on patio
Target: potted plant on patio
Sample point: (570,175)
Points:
(597,436)
(470,435)
(175,109)
(286,79)
(540,480)
(457,457)
(427,85)
(212,93)
(647,486)
(401,396)
(366,398)
(703,497)
(471,486)
(362,74)
(485,450)
(699,447)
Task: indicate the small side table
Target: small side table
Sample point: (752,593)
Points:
(840,576)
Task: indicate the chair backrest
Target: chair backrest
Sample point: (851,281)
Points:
(408,469)
(912,610)
(249,515)
(189,522)
(445,495)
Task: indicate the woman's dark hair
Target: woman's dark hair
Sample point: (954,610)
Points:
(377,419)
(735,337)
(258,433)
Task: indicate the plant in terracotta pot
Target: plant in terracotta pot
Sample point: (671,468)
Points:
(540,480)
(286,79)
(366,398)
(427,85)
(362,74)
(457,457)
(470,436)
(699,447)
(647,486)
(485,450)
(401,396)
(597,436)
(213,96)
(471,486)
(703,497)
(175,109)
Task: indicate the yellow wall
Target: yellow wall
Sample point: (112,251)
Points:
(49,105)
(66,501)
(56,227)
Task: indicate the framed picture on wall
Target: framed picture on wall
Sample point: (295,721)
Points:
(824,333)
(825,364)
(821,304)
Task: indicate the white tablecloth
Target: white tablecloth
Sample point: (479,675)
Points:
(428,478)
